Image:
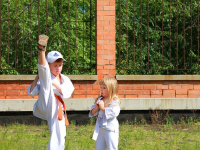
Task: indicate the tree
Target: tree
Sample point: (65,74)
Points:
(69,24)
(157,37)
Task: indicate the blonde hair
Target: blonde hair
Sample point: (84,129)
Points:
(112,86)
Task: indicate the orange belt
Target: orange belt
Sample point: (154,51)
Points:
(60,112)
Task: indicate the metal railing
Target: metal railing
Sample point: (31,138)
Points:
(157,36)
(69,24)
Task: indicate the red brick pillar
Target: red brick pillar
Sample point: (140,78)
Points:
(105,26)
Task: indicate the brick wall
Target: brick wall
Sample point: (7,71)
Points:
(14,90)
(105,36)
(159,89)
(127,89)
(86,89)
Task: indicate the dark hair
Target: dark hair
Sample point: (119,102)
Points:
(58,60)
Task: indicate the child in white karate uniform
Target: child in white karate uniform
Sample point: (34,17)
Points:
(107,109)
(51,86)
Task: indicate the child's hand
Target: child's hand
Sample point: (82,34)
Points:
(57,86)
(97,104)
(96,108)
(101,105)
(54,83)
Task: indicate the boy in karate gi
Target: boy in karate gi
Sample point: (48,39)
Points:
(52,87)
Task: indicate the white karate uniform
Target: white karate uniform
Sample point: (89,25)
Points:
(106,131)
(46,107)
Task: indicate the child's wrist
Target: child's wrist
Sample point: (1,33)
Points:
(102,108)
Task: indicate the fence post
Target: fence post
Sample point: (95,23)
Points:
(105,36)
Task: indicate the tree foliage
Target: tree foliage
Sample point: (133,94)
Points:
(157,37)
(70,25)
(152,36)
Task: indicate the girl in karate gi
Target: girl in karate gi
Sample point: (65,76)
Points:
(107,109)
(52,87)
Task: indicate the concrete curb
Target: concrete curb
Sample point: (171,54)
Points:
(126,104)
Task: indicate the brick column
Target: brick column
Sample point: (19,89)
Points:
(105,36)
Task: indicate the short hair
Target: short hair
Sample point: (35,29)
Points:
(59,60)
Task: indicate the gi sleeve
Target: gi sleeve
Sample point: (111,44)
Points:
(67,87)
(45,87)
(90,115)
(35,90)
(113,110)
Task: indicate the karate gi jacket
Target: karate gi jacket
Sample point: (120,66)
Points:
(107,120)
(46,107)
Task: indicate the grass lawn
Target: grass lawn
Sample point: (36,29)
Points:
(170,136)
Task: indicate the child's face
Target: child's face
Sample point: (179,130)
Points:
(104,90)
(56,67)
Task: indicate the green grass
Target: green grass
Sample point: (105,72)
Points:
(170,136)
